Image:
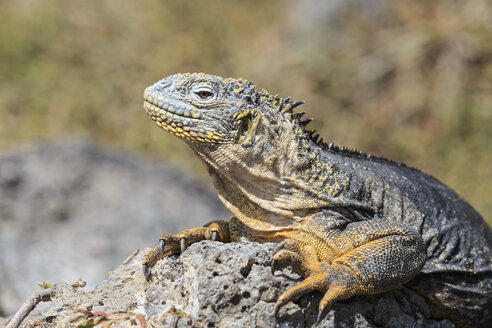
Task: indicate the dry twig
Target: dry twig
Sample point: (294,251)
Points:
(29,305)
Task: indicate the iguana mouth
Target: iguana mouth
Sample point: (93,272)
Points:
(183,123)
(168,112)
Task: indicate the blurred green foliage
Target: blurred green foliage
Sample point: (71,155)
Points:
(408,80)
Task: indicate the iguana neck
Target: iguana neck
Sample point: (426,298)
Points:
(276,190)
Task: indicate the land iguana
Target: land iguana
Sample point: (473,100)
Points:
(349,223)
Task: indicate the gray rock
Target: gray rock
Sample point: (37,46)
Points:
(71,209)
(228,285)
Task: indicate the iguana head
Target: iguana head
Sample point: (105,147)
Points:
(203,109)
(209,111)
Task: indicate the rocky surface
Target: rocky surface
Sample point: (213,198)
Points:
(71,209)
(224,285)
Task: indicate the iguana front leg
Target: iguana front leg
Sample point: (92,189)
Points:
(356,258)
(220,230)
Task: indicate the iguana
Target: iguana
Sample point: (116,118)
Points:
(349,223)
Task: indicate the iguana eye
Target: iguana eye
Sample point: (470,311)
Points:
(203,93)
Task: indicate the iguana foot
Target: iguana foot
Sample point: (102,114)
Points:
(176,244)
(385,259)
(319,276)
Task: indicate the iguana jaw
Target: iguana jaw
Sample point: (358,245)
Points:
(182,126)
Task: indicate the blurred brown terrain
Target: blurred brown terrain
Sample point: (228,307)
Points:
(411,80)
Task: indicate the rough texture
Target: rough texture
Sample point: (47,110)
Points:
(71,209)
(227,285)
(349,223)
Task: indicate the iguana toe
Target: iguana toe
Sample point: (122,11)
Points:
(305,262)
(149,261)
(294,259)
(308,285)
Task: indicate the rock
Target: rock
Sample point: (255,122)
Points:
(226,285)
(71,209)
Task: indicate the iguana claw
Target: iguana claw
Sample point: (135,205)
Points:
(275,251)
(277,308)
(182,244)
(318,318)
(146,272)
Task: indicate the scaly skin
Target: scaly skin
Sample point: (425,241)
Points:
(349,223)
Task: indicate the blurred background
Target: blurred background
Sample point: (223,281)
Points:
(410,80)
